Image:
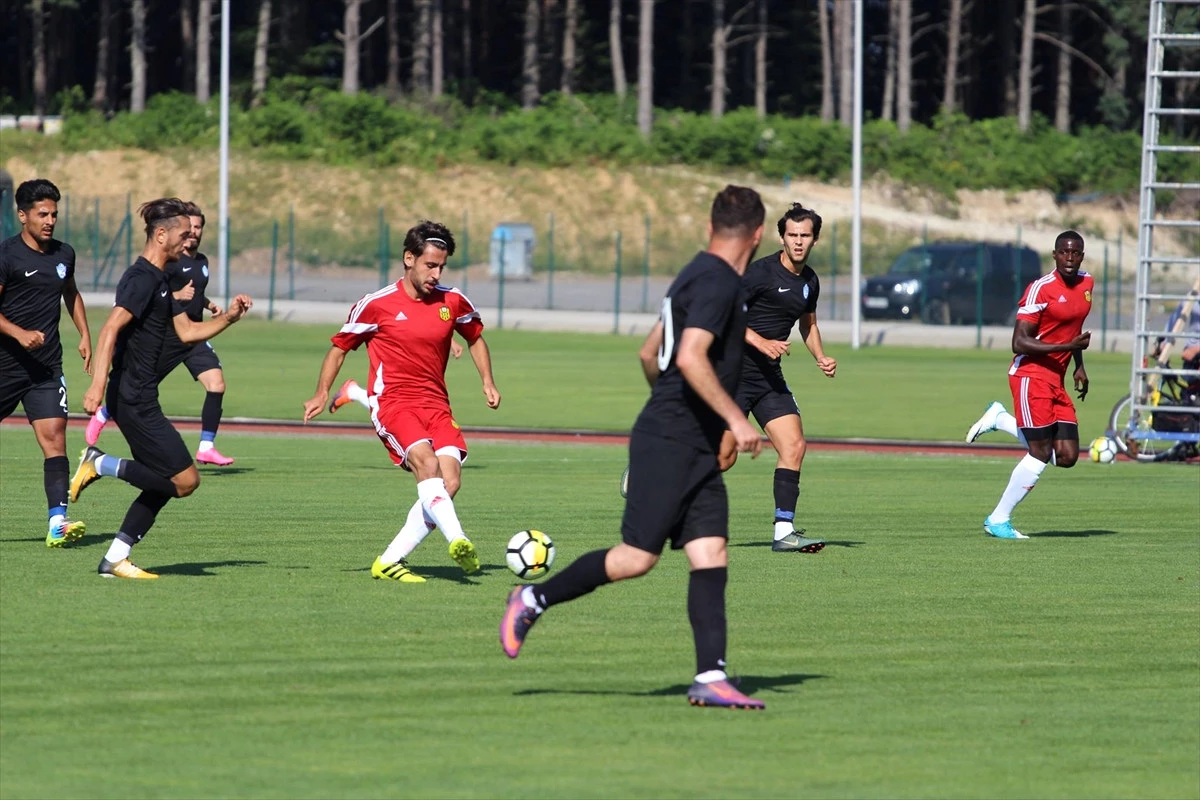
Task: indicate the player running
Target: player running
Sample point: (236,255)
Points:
(1048,334)
(407,328)
(352,392)
(692,360)
(136,340)
(781,290)
(188,279)
(37,273)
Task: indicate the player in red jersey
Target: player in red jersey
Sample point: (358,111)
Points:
(1048,334)
(407,328)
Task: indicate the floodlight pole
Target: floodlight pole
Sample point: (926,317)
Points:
(223,168)
(856,180)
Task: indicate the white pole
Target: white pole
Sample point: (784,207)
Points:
(223,168)
(856,179)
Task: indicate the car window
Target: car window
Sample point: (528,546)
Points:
(914,262)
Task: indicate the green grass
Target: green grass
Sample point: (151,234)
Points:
(562,380)
(914,657)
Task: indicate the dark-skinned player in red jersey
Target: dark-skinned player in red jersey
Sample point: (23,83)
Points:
(1048,336)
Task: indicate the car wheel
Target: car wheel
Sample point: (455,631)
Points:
(936,312)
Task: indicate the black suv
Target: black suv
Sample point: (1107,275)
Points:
(939,283)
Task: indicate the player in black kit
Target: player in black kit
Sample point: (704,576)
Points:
(37,274)
(781,291)
(136,341)
(188,279)
(692,360)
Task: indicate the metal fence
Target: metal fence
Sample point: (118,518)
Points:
(277,257)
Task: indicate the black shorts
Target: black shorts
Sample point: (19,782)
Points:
(43,396)
(201,359)
(765,394)
(676,493)
(153,440)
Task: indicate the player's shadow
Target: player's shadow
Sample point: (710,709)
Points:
(87,540)
(200,568)
(447,573)
(750,684)
(828,543)
(1070,534)
(218,472)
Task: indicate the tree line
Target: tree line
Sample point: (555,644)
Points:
(1076,62)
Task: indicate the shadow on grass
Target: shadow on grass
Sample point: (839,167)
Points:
(87,540)
(750,684)
(210,471)
(1069,534)
(200,568)
(447,573)
(828,543)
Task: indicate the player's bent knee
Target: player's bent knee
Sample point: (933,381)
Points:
(186,482)
(453,483)
(1066,460)
(623,562)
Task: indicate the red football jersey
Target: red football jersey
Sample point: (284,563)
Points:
(408,341)
(1058,310)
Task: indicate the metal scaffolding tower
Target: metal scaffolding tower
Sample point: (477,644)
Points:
(1161,413)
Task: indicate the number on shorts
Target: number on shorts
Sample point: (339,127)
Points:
(62,398)
(667,349)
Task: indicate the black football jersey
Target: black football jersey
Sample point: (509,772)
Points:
(707,294)
(776,299)
(32,299)
(143,346)
(194,269)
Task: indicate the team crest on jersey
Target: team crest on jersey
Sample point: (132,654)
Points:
(444,313)
(1087,295)
(805,292)
(454,422)
(204,270)
(61,269)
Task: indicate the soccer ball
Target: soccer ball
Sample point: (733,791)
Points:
(530,554)
(1103,450)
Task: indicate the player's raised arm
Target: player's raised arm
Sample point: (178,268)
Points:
(189,331)
(330,366)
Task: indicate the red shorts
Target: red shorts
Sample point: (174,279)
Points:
(401,426)
(1038,403)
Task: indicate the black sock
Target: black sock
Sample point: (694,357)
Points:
(706,610)
(580,578)
(787,493)
(140,516)
(56,477)
(210,414)
(141,477)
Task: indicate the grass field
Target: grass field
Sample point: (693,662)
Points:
(557,380)
(914,657)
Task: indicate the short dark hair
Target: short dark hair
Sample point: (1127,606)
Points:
(798,213)
(193,210)
(426,232)
(1068,236)
(737,211)
(161,212)
(30,193)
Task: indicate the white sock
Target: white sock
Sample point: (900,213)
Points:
(412,534)
(358,394)
(1024,477)
(56,520)
(1008,423)
(530,599)
(712,676)
(783,529)
(436,502)
(102,414)
(205,446)
(117,551)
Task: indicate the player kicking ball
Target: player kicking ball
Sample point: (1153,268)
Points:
(1048,334)
(408,328)
(352,392)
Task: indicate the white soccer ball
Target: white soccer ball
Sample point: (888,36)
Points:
(530,554)
(1103,450)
